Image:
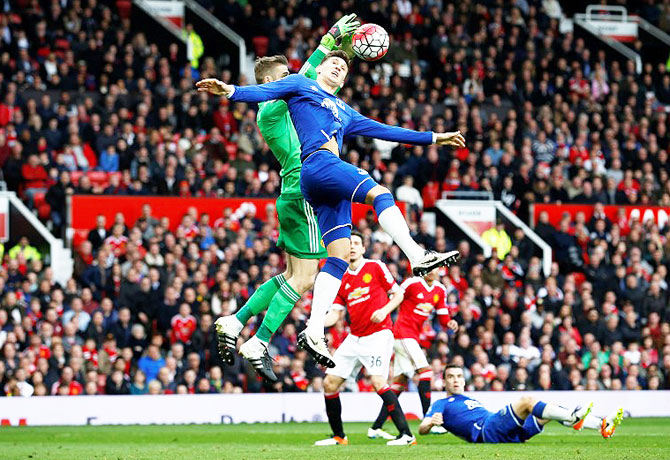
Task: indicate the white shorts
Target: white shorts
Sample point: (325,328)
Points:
(409,357)
(371,351)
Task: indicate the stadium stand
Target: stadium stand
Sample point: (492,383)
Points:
(89,107)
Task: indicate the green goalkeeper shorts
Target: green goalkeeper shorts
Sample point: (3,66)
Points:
(299,233)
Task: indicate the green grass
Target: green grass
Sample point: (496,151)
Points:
(635,439)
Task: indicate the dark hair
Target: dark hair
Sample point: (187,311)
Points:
(338,54)
(453,366)
(358,234)
(266,64)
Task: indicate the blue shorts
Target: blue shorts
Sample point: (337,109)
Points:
(330,185)
(505,426)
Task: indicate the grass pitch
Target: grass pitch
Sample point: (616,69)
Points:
(635,439)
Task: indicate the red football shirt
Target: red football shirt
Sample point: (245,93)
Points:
(363,292)
(420,300)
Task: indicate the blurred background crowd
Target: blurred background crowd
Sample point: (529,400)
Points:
(89,107)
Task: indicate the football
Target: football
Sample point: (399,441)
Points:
(370,42)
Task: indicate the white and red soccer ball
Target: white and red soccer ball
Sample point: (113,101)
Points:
(370,42)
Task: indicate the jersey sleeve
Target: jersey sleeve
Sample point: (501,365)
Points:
(386,278)
(269,115)
(340,302)
(279,89)
(436,408)
(309,67)
(442,310)
(364,126)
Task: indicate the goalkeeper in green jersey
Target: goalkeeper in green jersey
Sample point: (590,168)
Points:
(299,233)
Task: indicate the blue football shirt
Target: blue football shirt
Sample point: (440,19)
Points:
(463,416)
(319,116)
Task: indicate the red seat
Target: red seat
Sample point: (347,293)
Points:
(261,44)
(44,211)
(124,7)
(97,177)
(75,176)
(38,199)
(79,237)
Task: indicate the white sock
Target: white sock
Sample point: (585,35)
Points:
(592,422)
(561,414)
(393,223)
(326,287)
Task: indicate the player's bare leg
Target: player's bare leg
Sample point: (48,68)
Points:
(331,387)
(300,274)
(393,222)
(326,287)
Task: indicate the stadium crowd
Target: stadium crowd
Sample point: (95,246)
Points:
(546,120)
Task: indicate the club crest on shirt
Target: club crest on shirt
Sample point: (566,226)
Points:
(436,298)
(367,278)
(330,105)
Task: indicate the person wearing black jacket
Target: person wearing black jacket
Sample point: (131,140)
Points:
(55,197)
(97,235)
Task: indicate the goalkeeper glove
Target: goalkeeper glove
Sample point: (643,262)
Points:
(342,28)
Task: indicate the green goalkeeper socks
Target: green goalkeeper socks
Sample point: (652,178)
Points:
(260,300)
(281,305)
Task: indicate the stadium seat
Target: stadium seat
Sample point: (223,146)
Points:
(43,211)
(261,44)
(124,7)
(75,176)
(79,237)
(39,199)
(430,194)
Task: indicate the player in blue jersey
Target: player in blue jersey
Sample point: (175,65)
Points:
(517,422)
(330,185)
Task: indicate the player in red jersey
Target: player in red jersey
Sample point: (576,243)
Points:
(365,295)
(423,296)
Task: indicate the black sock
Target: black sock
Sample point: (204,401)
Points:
(334,412)
(381,418)
(424,394)
(393,407)
(383,413)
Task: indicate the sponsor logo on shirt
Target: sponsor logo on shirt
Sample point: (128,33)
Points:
(358,293)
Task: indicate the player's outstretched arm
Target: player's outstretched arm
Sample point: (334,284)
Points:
(277,89)
(364,126)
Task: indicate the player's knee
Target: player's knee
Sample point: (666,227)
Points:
(378,382)
(303,283)
(330,385)
(375,192)
(528,402)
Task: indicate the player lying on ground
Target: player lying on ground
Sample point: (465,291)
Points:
(468,419)
(330,185)
(422,297)
(299,235)
(365,296)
